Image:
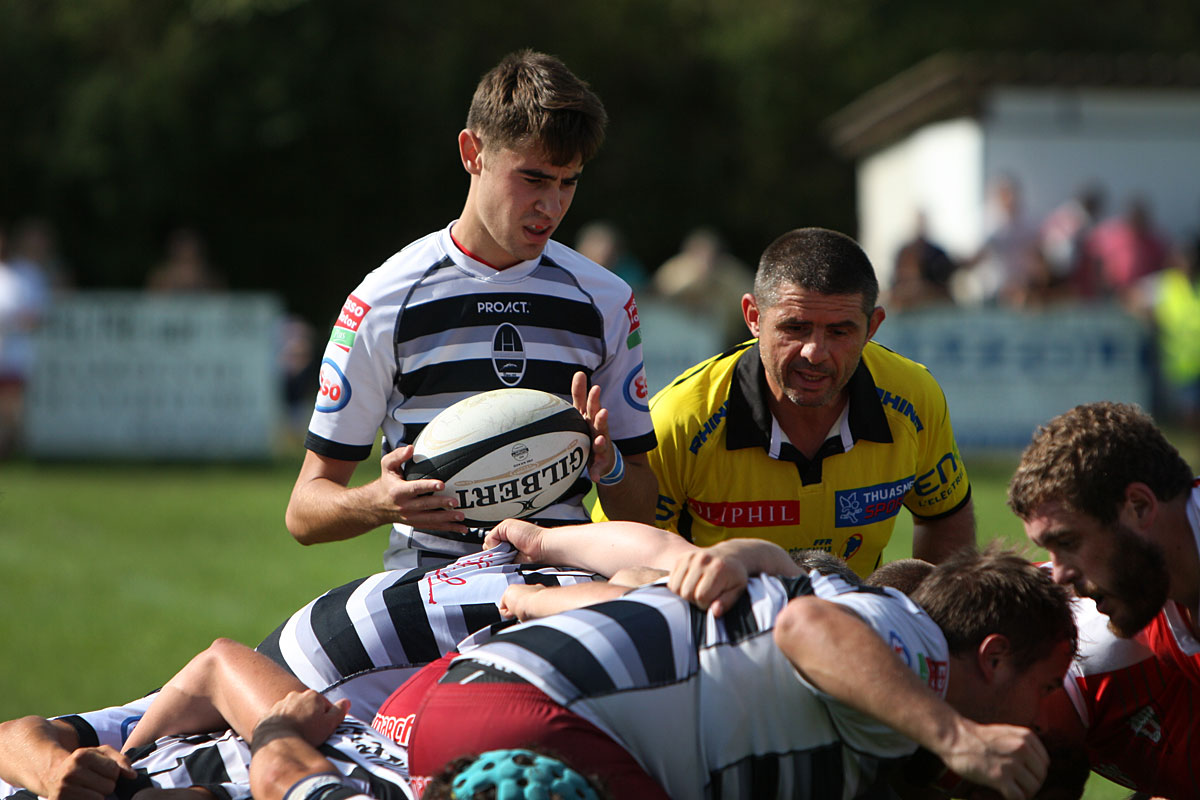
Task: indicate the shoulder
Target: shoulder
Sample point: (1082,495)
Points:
(704,385)
(397,274)
(899,375)
(586,272)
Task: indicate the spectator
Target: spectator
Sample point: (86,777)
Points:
(1006,267)
(708,281)
(603,243)
(1176,310)
(186,267)
(921,276)
(1063,235)
(1127,249)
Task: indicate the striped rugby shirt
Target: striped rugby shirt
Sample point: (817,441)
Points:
(710,706)
(432,326)
(363,639)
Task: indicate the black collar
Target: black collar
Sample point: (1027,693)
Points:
(748,417)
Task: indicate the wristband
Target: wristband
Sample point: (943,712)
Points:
(316,787)
(616,474)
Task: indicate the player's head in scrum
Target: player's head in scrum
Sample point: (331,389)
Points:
(531,127)
(813,310)
(1104,492)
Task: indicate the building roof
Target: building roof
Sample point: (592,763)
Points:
(950,85)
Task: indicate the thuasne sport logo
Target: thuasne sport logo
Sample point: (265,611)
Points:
(870,504)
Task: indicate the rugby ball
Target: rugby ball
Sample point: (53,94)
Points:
(504,453)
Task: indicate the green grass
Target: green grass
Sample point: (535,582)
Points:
(112,576)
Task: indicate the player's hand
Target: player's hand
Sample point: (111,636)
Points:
(88,773)
(587,403)
(526,537)
(515,602)
(412,502)
(708,579)
(307,714)
(1010,760)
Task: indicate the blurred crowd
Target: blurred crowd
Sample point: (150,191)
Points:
(1081,252)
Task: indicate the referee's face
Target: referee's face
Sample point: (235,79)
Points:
(810,342)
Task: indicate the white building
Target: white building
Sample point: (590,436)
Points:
(932,138)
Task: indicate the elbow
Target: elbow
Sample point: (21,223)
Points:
(298,526)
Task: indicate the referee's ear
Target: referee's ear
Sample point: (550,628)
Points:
(874,321)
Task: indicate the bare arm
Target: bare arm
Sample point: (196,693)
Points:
(284,743)
(636,495)
(716,576)
(44,757)
(324,508)
(227,685)
(533,601)
(937,539)
(843,657)
(602,547)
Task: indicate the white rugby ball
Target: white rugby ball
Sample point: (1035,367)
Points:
(504,453)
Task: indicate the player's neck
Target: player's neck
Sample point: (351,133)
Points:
(807,427)
(471,237)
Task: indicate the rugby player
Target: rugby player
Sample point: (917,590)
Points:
(1118,509)
(805,687)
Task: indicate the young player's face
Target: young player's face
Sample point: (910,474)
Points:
(521,199)
(810,343)
(1125,574)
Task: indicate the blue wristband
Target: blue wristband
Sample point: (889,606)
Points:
(616,474)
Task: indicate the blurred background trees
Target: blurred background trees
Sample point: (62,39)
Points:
(307,140)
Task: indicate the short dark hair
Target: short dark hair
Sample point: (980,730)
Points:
(1086,457)
(825,563)
(818,260)
(905,574)
(531,98)
(972,595)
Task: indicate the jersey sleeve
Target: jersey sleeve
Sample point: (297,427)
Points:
(357,373)
(919,645)
(940,486)
(621,376)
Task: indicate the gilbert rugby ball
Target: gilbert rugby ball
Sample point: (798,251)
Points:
(504,453)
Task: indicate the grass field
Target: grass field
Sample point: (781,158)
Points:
(112,576)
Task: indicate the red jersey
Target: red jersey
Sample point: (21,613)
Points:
(1139,710)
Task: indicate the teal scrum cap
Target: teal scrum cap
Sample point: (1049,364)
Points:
(535,779)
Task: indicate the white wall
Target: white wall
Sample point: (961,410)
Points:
(1053,141)
(1131,143)
(936,169)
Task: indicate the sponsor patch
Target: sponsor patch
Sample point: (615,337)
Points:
(631,311)
(637,392)
(897,645)
(941,482)
(934,672)
(749,514)
(870,504)
(345,330)
(334,393)
(1145,723)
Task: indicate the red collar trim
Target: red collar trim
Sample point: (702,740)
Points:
(469,254)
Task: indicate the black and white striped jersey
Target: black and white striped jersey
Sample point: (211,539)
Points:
(709,705)
(221,763)
(363,639)
(432,326)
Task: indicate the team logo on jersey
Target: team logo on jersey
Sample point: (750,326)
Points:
(345,330)
(897,645)
(508,354)
(852,545)
(398,729)
(635,325)
(636,390)
(902,406)
(334,393)
(870,504)
(1145,722)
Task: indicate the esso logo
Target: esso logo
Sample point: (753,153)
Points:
(334,391)
(356,307)
(636,388)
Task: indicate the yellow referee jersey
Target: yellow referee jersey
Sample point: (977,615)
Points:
(725,469)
